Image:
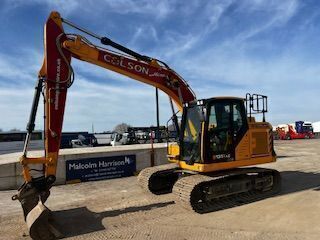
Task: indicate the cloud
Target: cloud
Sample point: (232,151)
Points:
(158,9)
(291,85)
(274,13)
(67,6)
(97,73)
(236,21)
(19,69)
(221,47)
(87,103)
(145,32)
(15,104)
(213,12)
(201,26)
(105,106)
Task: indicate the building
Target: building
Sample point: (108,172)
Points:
(316,128)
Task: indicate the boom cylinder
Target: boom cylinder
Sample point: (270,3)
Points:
(35,103)
(33,113)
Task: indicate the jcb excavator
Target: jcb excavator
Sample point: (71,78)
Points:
(217,135)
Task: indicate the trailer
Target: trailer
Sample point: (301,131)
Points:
(316,129)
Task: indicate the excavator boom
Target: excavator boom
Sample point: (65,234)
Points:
(218,135)
(55,77)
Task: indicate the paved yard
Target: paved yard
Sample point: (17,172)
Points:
(119,209)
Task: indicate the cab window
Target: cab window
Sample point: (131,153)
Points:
(237,117)
(219,128)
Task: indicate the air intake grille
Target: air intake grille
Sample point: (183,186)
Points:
(262,143)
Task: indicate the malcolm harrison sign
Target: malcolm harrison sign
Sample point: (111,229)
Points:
(92,169)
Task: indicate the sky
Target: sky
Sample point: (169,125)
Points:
(222,48)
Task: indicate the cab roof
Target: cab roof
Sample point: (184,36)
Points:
(227,97)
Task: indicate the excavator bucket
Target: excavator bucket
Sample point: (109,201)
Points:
(37,216)
(38,222)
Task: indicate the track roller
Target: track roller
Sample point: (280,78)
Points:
(208,193)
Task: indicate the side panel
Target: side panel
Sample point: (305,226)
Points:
(257,142)
(226,165)
(261,139)
(255,147)
(243,148)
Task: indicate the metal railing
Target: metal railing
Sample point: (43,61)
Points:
(256,104)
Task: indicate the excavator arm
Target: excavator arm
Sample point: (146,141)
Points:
(55,77)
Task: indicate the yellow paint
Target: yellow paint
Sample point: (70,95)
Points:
(40,160)
(26,174)
(243,153)
(51,166)
(25,169)
(197,167)
(253,143)
(173,149)
(50,163)
(202,141)
(243,148)
(55,16)
(73,181)
(25,161)
(192,130)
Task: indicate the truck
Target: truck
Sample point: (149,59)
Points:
(140,135)
(104,139)
(299,130)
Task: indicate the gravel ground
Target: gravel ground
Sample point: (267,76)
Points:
(119,209)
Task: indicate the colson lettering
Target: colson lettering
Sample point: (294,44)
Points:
(119,61)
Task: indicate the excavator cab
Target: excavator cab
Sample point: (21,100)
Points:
(221,133)
(211,130)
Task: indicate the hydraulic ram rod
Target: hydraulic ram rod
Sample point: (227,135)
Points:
(108,41)
(33,113)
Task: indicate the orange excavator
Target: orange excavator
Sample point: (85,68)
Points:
(217,135)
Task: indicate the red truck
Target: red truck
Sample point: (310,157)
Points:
(304,132)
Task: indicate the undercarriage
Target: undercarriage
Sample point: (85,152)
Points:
(210,192)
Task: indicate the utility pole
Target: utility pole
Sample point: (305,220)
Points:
(158,120)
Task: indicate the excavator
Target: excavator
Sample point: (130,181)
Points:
(211,163)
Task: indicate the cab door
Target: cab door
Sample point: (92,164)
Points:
(226,124)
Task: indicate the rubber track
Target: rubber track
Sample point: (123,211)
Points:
(145,175)
(186,188)
(183,189)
